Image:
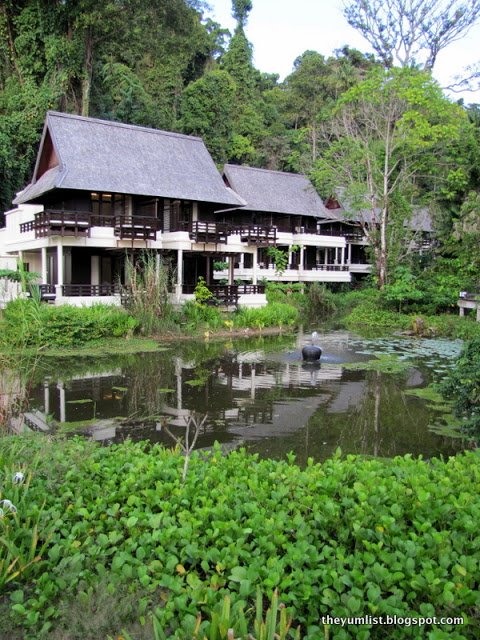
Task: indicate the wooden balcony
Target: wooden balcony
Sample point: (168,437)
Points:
(218,232)
(228,294)
(136,227)
(59,223)
(90,290)
(257,234)
(80,223)
(209,232)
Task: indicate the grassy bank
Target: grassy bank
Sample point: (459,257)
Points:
(369,315)
(105,539)
(28,324)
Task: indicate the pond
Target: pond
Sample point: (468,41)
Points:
(257,392)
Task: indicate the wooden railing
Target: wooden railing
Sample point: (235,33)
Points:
(228,294)
(79,223)
(90,290)
(256,234)
(213,232)
(136,227)
(208,232)
(47,291)
(328,267)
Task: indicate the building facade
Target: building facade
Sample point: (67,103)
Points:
(101,191)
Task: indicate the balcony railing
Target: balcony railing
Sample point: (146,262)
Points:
(228,294)
(214,232)
(79,224)
(208,232)
(258,234)
(317,267)
(328,267)
(90,290)
(136,227)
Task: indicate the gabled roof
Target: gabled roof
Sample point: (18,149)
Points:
(275,191)
(421,220)
(98,155)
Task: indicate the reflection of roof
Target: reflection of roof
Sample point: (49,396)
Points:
(98,155)
(275,191)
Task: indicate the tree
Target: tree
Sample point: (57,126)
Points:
(462,386)
(123,59)
(240,11)
(310,93)
(207,110)
(381,136)
(409,32)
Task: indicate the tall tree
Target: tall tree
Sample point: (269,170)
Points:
(240,11)
(411,32)
(383,134)
(207,110)
(310,93)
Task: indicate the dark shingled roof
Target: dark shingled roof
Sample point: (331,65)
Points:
(98,155)
(275,191)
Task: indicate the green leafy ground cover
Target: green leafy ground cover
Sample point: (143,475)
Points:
(371,315)
(346,538)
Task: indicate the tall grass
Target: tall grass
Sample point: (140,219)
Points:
(275,314)
(147,293)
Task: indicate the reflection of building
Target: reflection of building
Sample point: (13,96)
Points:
(238,390)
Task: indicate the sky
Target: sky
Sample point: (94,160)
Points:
(281,30)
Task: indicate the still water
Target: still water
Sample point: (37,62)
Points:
(258,393)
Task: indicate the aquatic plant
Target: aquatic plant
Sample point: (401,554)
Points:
(391,537)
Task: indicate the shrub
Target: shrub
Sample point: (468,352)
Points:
(320,301)
(452,326)
(202,293)
(462,385)
(344,538)
(147,294)
(274,314)
(197,315)
(288,293)
(33,324)
(370,315)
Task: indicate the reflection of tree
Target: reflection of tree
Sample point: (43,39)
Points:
(147,382)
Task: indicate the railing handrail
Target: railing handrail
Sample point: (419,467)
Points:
(90,290)
(469,295)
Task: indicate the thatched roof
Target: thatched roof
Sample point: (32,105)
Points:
(98,155)
(275,191)
(421,220)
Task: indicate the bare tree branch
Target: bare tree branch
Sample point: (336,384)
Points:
(411,32)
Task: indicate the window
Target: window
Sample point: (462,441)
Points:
(105,204)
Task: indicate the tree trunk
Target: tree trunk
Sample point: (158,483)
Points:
(87,72)
(382,264)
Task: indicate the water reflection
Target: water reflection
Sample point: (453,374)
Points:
(256,392)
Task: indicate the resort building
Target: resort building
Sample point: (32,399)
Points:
(103,190)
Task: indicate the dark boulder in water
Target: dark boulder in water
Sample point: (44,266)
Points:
(311,353)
